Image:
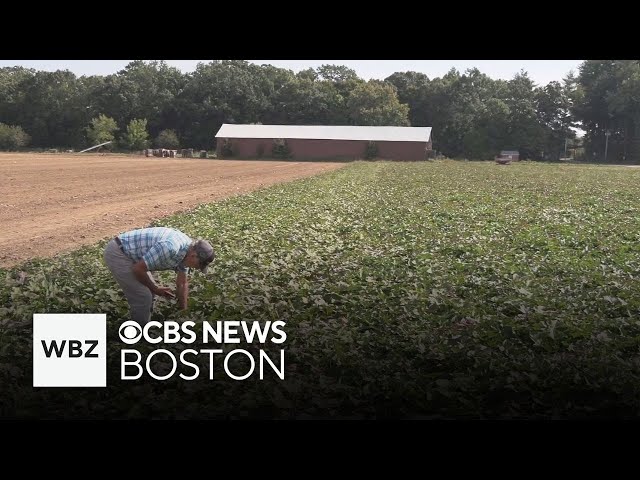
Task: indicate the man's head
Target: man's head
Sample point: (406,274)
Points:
(200,255)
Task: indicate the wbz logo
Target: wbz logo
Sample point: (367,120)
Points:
(75,348)
(69,350)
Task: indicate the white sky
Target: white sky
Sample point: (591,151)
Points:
(541,71)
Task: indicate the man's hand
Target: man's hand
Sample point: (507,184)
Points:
(166,292)
(144,277)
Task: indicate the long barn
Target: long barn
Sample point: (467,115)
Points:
(325,141)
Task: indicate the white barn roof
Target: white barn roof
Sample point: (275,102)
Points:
(327,132)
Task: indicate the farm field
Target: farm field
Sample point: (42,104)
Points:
(56,203)
(437,289)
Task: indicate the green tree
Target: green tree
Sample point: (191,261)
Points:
(309,74)
(467,111)
(553,104)
(51,108)
(524,132)
(102,129)
(142,90)
(167,139)
(302,101)
(607,100)
(414,89)
(12,137)
(137,137)
(596,82)
(438,112)
(376,103)
(272,82)
(228,91)
(337,73)
(488,135)
(12,92)
(344,81)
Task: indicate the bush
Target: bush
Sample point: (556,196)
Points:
(281,149)
(12,137)
(167,139)
(371,151)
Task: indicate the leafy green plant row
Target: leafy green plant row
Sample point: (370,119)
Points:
(440,289)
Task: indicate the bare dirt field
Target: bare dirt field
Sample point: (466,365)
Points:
(52,203)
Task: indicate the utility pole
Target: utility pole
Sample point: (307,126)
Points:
(606,144)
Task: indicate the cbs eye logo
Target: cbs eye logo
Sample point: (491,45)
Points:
(130,332)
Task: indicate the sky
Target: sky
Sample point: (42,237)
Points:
(540,71)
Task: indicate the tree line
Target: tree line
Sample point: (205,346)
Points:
(473,116)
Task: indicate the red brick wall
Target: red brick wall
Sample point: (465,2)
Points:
(327,149)
(403,150)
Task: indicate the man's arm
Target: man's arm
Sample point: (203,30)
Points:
(182,287)
(140,271)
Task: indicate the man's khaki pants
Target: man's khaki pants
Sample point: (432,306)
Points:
(140,298)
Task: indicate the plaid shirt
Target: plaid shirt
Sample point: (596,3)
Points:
(161,248)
